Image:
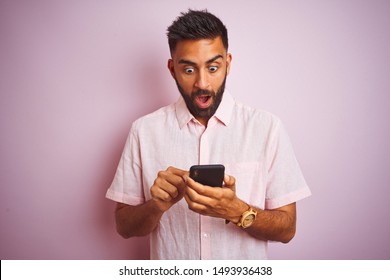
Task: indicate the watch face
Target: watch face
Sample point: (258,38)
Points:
(248,220)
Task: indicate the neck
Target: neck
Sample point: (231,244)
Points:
(203,121)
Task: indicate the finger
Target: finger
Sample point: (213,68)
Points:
(176,176)
(159,193)
(198,187)
(198,198)
(229,182)
(167,185)
(177,171)
(210,197)
(172,179)
(210,194)
(195,206)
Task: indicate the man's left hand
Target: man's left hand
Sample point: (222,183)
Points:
(221,202)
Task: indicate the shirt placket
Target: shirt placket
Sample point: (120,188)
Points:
(205,221)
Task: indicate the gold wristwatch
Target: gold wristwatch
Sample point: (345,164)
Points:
(247,218)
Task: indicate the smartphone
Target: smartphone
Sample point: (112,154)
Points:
(209,175)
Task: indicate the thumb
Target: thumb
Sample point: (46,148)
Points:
(229,182)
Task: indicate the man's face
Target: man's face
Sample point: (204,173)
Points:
(199,68)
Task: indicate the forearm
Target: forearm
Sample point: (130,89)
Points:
(140,220)
(276,225)
(137,220)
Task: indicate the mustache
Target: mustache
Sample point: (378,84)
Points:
(201,92)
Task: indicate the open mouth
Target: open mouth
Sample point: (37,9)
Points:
(203,101)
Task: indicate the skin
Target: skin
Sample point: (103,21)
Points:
(201,65)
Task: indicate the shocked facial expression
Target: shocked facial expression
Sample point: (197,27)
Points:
(199,68)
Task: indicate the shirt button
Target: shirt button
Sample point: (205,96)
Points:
(205,235)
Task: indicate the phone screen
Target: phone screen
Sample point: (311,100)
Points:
(209,175)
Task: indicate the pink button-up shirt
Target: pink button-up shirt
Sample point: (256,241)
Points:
(253,146)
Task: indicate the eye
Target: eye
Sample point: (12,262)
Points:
(213,69)
(189,70)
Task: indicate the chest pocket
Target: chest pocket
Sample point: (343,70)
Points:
(250,183)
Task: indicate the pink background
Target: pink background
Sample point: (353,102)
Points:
(75,74)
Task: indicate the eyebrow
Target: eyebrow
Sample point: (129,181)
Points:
(189,62)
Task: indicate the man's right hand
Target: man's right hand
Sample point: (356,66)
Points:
(168,188)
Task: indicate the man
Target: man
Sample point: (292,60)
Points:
(152,188)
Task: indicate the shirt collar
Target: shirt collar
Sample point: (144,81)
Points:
(223,112)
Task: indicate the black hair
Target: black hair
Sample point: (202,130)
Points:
(195,25)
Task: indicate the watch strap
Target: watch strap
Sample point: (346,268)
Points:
(243,221)
(244,215)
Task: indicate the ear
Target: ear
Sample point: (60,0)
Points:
(229,58)
(171,67)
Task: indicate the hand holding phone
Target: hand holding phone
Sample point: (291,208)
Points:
(220,202)
(210,175)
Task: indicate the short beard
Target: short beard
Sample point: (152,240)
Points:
(199,112)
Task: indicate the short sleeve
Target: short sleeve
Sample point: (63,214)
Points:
(285,182)
(126,186)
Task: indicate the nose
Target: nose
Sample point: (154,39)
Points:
(202,81)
